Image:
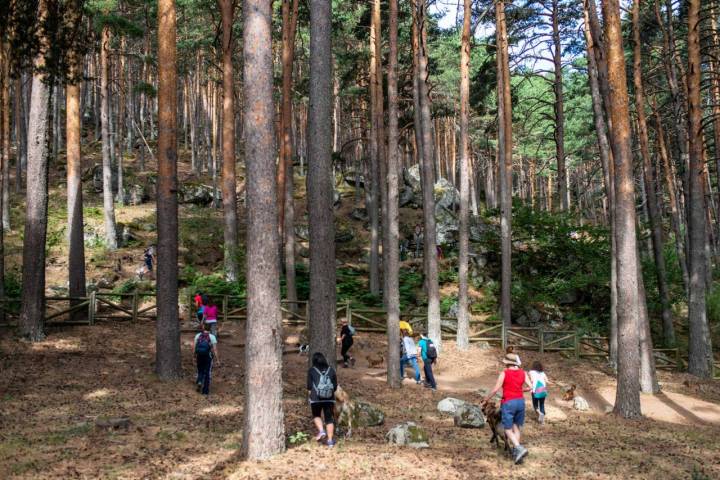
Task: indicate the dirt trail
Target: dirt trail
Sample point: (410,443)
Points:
(52,393)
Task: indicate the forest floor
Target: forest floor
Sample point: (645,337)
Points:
(53,392)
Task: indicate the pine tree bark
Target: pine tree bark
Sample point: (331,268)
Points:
(463,320)
(73,132)
(374,180)
(392,221)
(32,310)
(559,109)
(504,161)
(4,151)
(627,400)
(320,184)
(700,347)
(428,180)
(650,184)
(167,342)
(264,431)
(108,200)
(229,197)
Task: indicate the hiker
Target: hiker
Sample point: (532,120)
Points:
(406,327)
(205,352)
(149,258)
(539,382)
(409,355)
(418,239)
(428,352)
(199,306)
(210,312)
(346,341)
(321,385)
(513,381)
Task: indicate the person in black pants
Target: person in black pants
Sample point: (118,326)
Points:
(205,351)
(321,385)
(346,341)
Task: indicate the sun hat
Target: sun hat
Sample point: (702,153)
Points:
(512,359)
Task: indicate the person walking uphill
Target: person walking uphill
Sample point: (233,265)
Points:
(210,313)
(205,352)
(513,381)
(321,385)
(539,382)
(347,332)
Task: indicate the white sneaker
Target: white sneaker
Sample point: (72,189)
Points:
(541,418)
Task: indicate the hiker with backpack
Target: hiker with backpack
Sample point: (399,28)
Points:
(199,306)
(409,355)
(513,381)
(210,313)
(347,332)
(539,382)
(321,385)
(428,352)
(205,352)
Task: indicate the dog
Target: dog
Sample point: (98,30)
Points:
(303,349)
(569,394)
(494,420)
(375,360)
(344,410)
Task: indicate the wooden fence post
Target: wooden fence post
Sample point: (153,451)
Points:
(135,307)
(541,340)
(91,308)
(503,334)
(576,343)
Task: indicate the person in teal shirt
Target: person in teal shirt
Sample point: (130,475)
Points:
(425,344)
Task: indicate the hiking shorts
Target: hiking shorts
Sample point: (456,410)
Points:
(513,412)
(325,408)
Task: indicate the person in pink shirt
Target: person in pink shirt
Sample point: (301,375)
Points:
(210,314)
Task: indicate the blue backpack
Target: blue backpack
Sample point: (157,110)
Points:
(203,344)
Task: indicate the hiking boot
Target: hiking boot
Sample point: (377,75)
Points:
(345,364)
(520,453)
(352,361)
(320,437)
(198,388)
(331,443)
(541,418)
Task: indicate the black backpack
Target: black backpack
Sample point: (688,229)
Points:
(204,344)
(431,350)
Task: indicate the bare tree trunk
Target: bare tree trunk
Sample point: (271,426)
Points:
(264,430)
(320,184)
(373,206)
(504,161)
(32,310)
(559,109)
(700,348)
(20,134)
(4,152)
(627,400)
(463,320)
(167,337)
(382,151)
(108,200)
(392,221)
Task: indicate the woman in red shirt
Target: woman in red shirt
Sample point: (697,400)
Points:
(513,381)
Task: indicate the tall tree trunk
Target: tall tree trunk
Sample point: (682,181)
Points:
(264,430)
(382,151)
(76,244)
(108,200)
(4,151)
(504,160)
(320,184)
(374,181)
(559,109)
(463,321)
(286,212)
(650,184)
(606,160)
(428,181)
(32,310)
(392,221)
(167,337)
(229,197)
(627,400)
(20,134)
(700,347)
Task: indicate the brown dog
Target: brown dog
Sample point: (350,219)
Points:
(375,360)
(492,417)
(569,394)
(344,410)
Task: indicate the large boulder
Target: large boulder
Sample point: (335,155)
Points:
(450,405)
(196,194)
(136,194)
(579,403)
(337,198)
(357,181)
(408,198)
(446,225)
(361,415)
(302,232)
(412,178)
(446,195)
(343,236)
(408,434)
(469,416)
(359,214)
